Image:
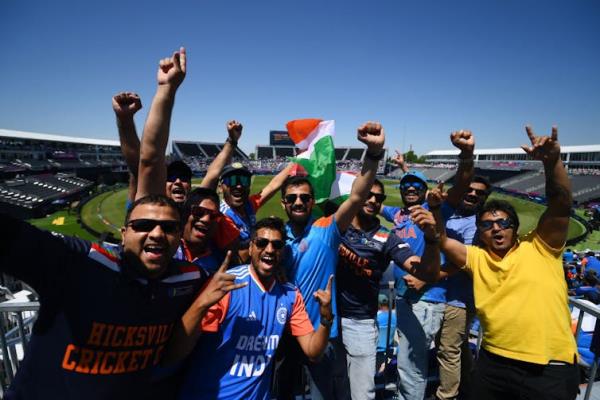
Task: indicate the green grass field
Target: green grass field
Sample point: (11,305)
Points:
(105,213)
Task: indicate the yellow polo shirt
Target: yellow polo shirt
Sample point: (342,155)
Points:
(521,301)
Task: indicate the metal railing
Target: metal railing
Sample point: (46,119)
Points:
(16,321)
(585,308)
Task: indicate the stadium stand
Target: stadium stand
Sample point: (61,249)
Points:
(35,195)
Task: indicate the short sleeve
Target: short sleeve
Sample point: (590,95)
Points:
(299,322)
(215,315)
(330,233)
(226,232)
(542,246)
(389,212)
(255,201)
(398,250)
(474,255)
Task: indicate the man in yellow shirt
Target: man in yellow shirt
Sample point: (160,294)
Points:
(528,350)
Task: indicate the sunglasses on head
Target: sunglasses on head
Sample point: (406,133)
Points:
(478,192)
(182,178)
(261,243)
(291,198)
(147,225)
(200,212)
(415,184)
(234,180)
(503,223)
(379,197)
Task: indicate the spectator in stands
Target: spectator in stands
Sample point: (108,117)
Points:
(453,355)
(365,252)
(313,254)
(590,262)
(420,307)
(241,207)
(106,311)
(568,256)
(234,360)
(528,349)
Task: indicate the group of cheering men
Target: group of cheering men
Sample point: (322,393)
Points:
(202,301)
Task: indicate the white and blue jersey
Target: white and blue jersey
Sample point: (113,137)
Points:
(234,358)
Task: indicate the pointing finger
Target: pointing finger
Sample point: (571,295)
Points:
(225,263)
(329,283)
(554,133)
(183,59)
(530,133)
(440,186)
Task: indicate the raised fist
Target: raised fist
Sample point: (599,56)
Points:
(463,140)
(234,129)
(372,134)
(126,104)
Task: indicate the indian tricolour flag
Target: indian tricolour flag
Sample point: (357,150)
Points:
(314,139)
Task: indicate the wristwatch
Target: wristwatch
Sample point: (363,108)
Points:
(327,322)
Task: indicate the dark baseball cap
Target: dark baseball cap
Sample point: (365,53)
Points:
(235,168)
(178,169)
(418,175)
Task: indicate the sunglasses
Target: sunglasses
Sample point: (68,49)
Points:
(148,225)
(379,197)
(182,178)
(415,184)
(291,198)
(200,212)
(234,180)
(261,243)
(478,192)
(503,223)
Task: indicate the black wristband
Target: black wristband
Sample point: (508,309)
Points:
(327,322)
(435,240)
(233,142)
(372,157)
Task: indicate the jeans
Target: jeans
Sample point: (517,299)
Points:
(417,325)
(454,355)
(360,344)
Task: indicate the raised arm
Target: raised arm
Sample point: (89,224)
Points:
(399,161)
(454,250)
(465,142)
(313,345)
(554,222)
(275,184)
(371,134)
(152,172)
(211,179)
(125,105)
(187,330)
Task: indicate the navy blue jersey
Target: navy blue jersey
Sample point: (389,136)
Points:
(101,328)
(363,256)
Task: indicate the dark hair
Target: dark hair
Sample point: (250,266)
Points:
(483,180)
(377,182)
(157,199)
(500,205)
(296,181)
(273,223)
(195,197)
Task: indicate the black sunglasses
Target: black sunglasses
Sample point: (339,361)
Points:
(147,225)
(503,223)
(261,243)
(182,178)
(379,197)
(478,192)
(415,184)
(200,212)
(291,198)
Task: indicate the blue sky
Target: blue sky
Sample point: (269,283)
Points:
(422,68)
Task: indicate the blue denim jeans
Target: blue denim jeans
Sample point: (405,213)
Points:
(417,324)
(360,344)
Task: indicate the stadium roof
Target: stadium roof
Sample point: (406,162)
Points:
(517,150)
(56,138)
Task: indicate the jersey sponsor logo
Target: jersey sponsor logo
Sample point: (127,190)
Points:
(406,233)
(281,315)
(246,364)
(354,262)
(117,349)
